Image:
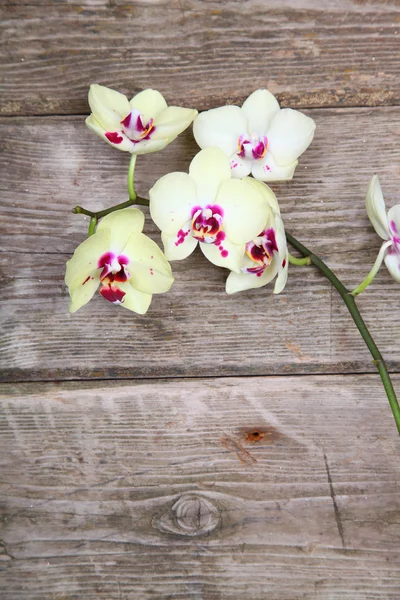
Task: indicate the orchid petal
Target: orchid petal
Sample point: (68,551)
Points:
(392,261)
(134,300)
(393,218)
(240,167)
(209,169)
(283,272)
(149,270)
(267,193)
(147,146)
(238,282)
(180,246)
(122,141)
(376,208)
(85,259)
(280,238)
(226,255)
(260,107)
(108,106)
(220,127)
(80,295)
(266,169)
(121,224)
(290,134)
(245,210)
(171,199)
(172,121)
(150,103)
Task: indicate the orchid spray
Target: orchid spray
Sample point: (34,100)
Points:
(223,205)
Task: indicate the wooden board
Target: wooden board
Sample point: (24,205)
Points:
(201,489)
(51,164)
(199,53)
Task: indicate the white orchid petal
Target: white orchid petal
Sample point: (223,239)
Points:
(260,107)
(171,200)
(267,193)
(290,134)
(209,169)
(392,261)
(376,208)
(81,295)
(171,122)
(121,141)
(266,169)
(220,127)
(245,210)
(148,146)
(150,103)
(108,106)
(238,282)
(178,247)
(85,258)
(393,218)
(240,167)
(226,254)
(280,238)
(149,270)
(283,272)
(121,224)
(134,300)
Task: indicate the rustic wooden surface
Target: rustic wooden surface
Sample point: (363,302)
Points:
(218,447)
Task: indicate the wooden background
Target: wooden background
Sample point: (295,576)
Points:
(217,447)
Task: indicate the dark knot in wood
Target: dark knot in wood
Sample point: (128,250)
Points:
(191,515)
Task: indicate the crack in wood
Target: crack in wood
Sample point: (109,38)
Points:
(335,506)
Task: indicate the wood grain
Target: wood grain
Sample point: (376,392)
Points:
(199,53)
(51,164)
(90,469)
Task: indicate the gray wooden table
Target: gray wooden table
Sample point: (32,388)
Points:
(141,458)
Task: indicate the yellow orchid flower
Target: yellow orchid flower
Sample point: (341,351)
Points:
(139,126)
(267,255)
(209,208)
(127,265)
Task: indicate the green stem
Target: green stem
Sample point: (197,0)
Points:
(131,178)
(92,226)
(299,262)
(350,302)
(373,271)
(79,210)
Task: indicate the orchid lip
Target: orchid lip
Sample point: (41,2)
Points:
(252,146)
(207,223)
(134,128)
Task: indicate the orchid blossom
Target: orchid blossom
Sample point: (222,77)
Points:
(139,126)
(386,225)
(260,138)
(209,208)
(266,256)
(127,265)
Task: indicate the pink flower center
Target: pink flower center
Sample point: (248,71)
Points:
(113,272)
(253,147)
(261,251)
(207,224)
(134,127)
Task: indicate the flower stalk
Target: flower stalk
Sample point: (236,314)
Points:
(350,302)
(371,275)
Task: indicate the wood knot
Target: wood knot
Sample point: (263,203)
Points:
(191,515)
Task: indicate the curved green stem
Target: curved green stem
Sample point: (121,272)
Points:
(92,226)
(373,271)
(79,210)
(350,302)
(131,178)
(299,262)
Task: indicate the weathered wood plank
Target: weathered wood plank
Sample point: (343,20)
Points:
(199,52)
(163,490)
(48,166)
